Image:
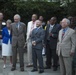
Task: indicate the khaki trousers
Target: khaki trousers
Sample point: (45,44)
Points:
(65,65)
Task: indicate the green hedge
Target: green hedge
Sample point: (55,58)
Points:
(46,9)
(72,9)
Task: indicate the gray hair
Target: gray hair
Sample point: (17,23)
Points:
(17,15)
(9,21)
(67,20)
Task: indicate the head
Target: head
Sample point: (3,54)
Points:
(53,20)
(34,17)
(1,16)
(38,23)
(48,22)
(65,23)
(41,18)
(8,23)
(17,18)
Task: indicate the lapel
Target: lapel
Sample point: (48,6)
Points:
(54,28)
(60,35)
(15,27)
(37,31)
(6,30)
(19,26)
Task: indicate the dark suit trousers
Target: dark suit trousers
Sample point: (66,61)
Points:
(51,54)
(37,54)
(21,56)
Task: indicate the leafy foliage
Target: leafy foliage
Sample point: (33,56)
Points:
(27,8)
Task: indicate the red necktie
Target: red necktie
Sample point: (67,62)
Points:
(63,35)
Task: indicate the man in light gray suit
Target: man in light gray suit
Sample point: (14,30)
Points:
(18,40)
(66,47)
(37,38)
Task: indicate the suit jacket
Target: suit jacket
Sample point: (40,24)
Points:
(6,36)
(68,43)
(54,37)
(2,25)
(29,28)
(38,36)
(18,35)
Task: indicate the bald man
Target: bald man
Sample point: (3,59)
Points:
(31,25)
(51,37)
(37,38)
(18,40)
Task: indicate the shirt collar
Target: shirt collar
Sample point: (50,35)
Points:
(65,29)
(52,25)
(18,23)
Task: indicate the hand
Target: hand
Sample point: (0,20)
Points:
(25,45)
(71,53)
(34,43)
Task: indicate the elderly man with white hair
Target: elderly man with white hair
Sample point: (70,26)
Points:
(66,47)
(18,40)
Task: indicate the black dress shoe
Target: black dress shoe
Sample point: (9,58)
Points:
(34,70)
(47,67)
(41,71)
(22,69)
(13,68)
(55,69)
(29,66)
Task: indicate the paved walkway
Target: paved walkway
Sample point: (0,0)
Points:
(27,71)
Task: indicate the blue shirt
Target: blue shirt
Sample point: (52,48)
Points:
(65,29)
(17,25)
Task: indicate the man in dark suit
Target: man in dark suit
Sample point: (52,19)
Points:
(18,40)
(2,25)
(51,37)
(37,37)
